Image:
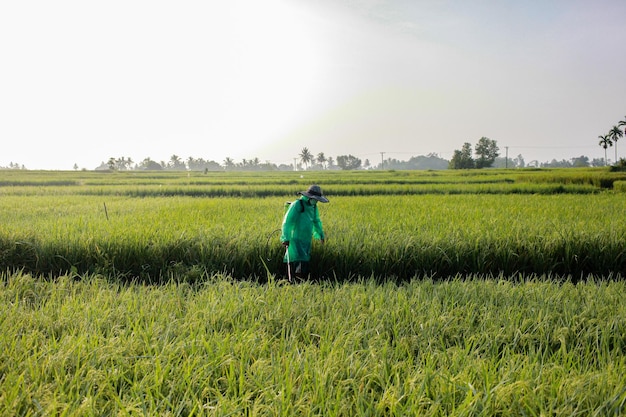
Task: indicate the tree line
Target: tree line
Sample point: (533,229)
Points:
(484,154)
(305,161)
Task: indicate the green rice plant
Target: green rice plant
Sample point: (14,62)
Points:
(149,225)
(467,346)
(619,186)
(601,178)
(267,184)
(400,236)
(476,234)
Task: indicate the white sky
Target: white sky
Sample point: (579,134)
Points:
(85,80)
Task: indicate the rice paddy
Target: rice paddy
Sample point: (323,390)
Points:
(437,293)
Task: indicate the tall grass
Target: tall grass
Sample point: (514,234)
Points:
(388,236)
(459,347)
(560,234)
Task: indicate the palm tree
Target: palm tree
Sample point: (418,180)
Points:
(306,156)
(615,134)
(229,163)
(321,158)
(622,123)
(605,142)
(176,163)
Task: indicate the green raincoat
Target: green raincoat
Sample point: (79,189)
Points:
(299,227)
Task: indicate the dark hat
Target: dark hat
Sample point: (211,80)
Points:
(315,192)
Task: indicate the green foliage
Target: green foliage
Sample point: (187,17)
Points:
(453,348)
(620,166)
(600,178)
(348,162)
(486,152)
(487,293)
(620,186)
(462,159)
(389,224)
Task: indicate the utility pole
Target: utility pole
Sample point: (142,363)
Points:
(382,160)
(506,160)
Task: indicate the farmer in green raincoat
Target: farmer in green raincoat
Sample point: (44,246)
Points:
(300,225)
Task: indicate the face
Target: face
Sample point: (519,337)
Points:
(313,201)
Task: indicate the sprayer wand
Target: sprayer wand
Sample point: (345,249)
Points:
(288,264)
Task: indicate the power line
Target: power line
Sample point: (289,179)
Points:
(552,147)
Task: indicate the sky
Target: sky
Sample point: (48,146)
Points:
(83,81)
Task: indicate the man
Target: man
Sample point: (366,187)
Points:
(300,225)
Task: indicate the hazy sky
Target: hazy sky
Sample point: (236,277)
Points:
(84,80)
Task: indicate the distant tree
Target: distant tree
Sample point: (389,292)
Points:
(149,165)
(430,161)
(456,161)
(125,163)
(306,157)
(557,164)
(348,162)
(330,163)
(597,162)
(393,163)
(14,165)
(321,159)
(622,123)
(195,164)
(176,164)
(229,164)
(605,142)
(615,134)
(75,167)
(268,166)
(486,152)
(503,162)
(119,164)
(462,159)
(420,162)
(250,165)
(517,162)
(533,164)
(199,164)
(580,162)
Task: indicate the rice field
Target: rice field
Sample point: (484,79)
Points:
(436,294)
(226,347)
(398,225)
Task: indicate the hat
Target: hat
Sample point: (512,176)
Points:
(315,192)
